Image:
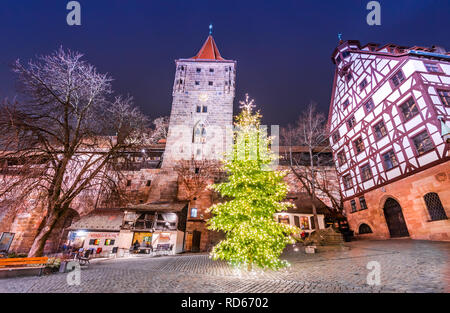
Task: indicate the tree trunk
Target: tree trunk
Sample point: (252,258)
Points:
(313,191)
(44,231)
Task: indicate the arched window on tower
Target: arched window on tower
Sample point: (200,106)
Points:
(434,206)
(199,133)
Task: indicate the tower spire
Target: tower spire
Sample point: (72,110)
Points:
(210,29)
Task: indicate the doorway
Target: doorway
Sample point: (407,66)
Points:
(196,236)
(394,219)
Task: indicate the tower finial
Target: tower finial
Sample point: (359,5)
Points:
(210,28)
(340,36)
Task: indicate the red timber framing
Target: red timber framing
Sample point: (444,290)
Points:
(414,80)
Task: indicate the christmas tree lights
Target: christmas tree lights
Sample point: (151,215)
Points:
(253,236)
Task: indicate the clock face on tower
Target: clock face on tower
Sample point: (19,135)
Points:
(203,97)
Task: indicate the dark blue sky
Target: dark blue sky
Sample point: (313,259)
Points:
(282,47)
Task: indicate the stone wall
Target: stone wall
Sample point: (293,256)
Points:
(408,192)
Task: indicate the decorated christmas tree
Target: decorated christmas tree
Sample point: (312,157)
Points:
(256,193)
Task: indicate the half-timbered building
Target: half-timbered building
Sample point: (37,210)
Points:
(388,121)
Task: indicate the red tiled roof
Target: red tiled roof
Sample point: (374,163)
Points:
(209,51)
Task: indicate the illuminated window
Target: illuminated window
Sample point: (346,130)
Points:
(304,222)
(94,242)
(379,130)
(409,109)
(193,212)
(359,145)
(445,97)
(283,219)
(364,229)
(347,180)
(341,158)
(366,172)
(423,142)
(109,242)
(389,159)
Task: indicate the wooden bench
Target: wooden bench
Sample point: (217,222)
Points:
(7,266)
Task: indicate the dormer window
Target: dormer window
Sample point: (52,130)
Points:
(433,68)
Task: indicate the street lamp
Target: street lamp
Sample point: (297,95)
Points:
(445,130)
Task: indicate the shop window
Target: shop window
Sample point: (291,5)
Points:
(283,219)
(409,109)
(423,142)
(379,130)
(194,212)
(304,222)
(313,225)
(390,160)
(297,221)
(434,206)
(109,242)
(94,242)
(364,229)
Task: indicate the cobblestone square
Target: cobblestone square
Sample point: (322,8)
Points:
(406,266)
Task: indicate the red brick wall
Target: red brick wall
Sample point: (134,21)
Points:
(408,192)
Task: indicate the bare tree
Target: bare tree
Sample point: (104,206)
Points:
(196,175)
(308,132)
(61,142)
(161,129)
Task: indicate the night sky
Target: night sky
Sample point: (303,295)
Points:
(282,48)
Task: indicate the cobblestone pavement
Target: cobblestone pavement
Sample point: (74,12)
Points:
(406,266)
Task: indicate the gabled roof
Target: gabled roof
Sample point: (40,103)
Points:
(209,51)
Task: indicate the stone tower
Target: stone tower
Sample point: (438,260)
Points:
(202,106)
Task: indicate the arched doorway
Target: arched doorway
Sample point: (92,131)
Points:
(394,219)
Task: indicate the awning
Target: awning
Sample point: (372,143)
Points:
(100,220)
(159,206)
